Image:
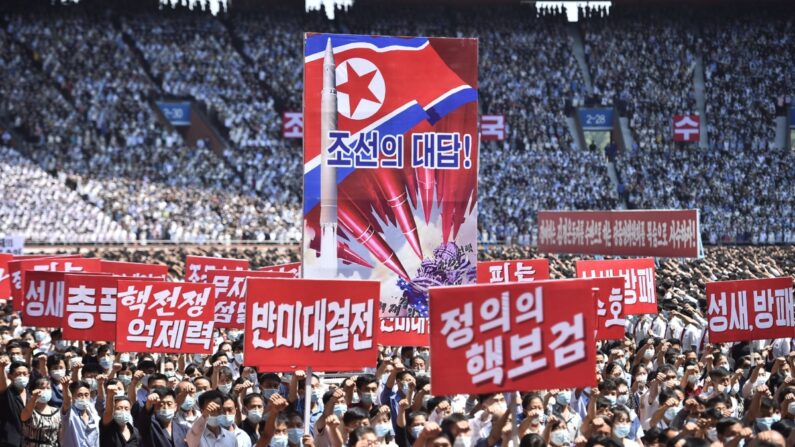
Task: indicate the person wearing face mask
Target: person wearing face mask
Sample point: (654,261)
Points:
(187,411)
(367,388)
(80,418)
(456,427)
(222,377)
(105,358)
(13,394)
(730,429)
(491,406)
(556,434)
(155,421)
(534,417)
(147,376)
(40,421)
(116,427)
(408,429)
(670,404)
(55,371)
(401,384)
(212,427)
(254,421)
(562,410)
(720,383)
(622,427)
(382,424)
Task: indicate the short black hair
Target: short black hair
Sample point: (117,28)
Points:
(164,392)
(354,414)
(213,395)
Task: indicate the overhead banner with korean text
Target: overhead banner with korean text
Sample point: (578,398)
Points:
(659,233)
(517,336)
(157,316)
(329,325)
(391,163)
(640,291)
(521,270)
(751,309)
(5,277)
(18,270)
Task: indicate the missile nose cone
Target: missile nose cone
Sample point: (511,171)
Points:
(328,57)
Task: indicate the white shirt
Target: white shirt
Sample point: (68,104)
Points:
(200,436)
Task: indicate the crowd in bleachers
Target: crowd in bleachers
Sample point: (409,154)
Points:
(99,130)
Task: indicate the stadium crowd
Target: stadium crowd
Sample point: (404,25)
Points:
(100,129)
(664,384)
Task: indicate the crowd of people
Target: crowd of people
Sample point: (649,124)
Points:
(100,132)
(663,384)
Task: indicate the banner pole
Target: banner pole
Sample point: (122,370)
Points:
(514,426)
(307,399)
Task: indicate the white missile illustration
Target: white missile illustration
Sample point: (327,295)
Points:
(328,174)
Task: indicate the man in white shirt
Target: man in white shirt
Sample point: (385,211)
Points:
(218,411)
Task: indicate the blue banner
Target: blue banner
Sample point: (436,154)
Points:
(596,119)
(791,117)
(177,113)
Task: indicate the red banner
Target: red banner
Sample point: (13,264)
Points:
(687,128)
(292,125)
(5,277)
(90,307)
(326,324)
(753,309)
(640,290)
(136,269)
(609,294)
(196,267)
(230,294)
(404,331)
(492,128)
(660,233)
(522,270)
(508,337)
(158,316)
(69,264)
(293,267)
(44,292)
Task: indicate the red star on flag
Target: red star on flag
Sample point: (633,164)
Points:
(357,87)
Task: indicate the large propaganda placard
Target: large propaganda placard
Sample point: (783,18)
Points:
(515,336)
(390,164)
(658,233)
(157,316)
(329,325)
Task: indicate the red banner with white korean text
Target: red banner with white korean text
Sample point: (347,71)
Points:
(752,309)
(687,128)
(196,267)
(5,277)
(44,292)
(404,331)
(230,294)
(329,325)
(90,307)
(293,267)
(640,290)
(515,336)
(522,270)
(158,316)
(69,264)
(136,269)
(609,295)
(659,233)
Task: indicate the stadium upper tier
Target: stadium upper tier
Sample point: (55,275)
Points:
(77,87)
